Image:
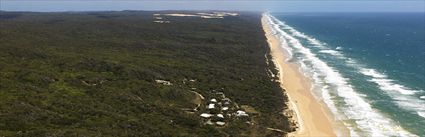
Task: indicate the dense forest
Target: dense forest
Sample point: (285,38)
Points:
(122,74)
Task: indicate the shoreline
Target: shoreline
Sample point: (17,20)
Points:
(313,117)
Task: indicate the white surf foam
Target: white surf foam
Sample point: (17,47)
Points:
(331,52)
(372,73)
(332,84)
(351,61)
(313,41)
(388,85)
(403,96)
(422,114)
(296,33)
(283,43)
(422,97)
(385,84)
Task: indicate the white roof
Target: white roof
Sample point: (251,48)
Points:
(225,108)
(241,113)
(220,115)
(210,106)
(213,100)
(220,123)
(205,115)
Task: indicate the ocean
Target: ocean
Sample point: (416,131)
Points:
(368,68)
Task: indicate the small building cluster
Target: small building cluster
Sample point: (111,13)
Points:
(220,110)
(215,108)
(159,19)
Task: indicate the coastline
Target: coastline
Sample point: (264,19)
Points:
(313,118)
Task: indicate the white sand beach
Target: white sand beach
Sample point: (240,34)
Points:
(312,116)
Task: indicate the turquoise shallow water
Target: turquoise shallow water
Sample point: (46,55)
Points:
(369,68)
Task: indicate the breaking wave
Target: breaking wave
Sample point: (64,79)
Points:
(335,90)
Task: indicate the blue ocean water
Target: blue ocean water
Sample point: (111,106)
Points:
(368,68)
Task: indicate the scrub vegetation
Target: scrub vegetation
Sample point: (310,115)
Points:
(95,74)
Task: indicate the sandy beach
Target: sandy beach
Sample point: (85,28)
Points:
(314,119)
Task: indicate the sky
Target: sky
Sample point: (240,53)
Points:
(234,5)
